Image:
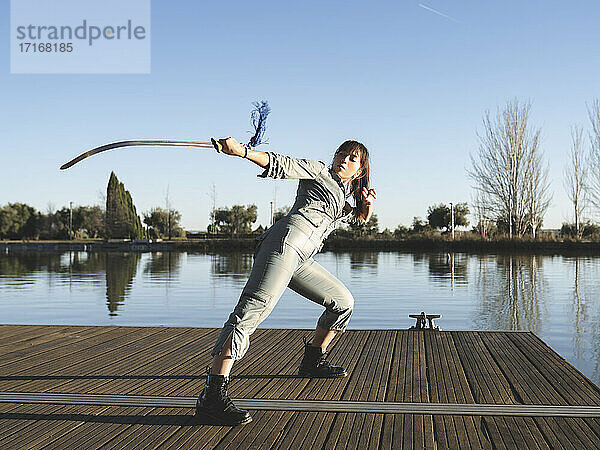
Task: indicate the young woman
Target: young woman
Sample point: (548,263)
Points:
(284,258)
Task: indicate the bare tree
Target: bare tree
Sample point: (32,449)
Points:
(576,174)
(481,211)
(169,209)
(101,195)
(537,191)
(593,185)
(213,197)
(509,170)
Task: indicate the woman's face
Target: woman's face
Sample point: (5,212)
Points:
(346,165)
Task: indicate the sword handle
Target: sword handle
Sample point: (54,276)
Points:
(217,145)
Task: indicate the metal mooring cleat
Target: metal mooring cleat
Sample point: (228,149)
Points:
(425,321)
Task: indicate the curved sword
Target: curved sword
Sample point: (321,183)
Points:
(212,144)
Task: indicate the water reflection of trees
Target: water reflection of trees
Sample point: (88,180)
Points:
(512,292)
(447,266)
(73,263)
(235,265)
(163,264)
(19,264)
(584,315)
(120,271)
(579,309)
(361,260)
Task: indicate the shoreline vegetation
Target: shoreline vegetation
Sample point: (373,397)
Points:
(468,244)
(511,198)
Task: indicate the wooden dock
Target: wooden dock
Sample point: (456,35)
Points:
(462,368)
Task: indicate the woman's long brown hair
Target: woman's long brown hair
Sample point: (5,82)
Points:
(362,180)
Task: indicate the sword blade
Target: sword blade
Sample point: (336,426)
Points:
(137,143)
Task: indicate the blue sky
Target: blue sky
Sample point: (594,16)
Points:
(411,84)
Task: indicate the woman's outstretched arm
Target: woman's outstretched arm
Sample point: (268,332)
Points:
(275,165)
(234,148)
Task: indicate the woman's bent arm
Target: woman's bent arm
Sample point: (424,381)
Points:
(369,212)
(367,206)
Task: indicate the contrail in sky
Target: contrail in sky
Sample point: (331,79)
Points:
(435,11)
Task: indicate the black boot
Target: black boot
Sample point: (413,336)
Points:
(314,364)
(215,405)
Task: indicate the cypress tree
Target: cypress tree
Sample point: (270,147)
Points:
(122,220)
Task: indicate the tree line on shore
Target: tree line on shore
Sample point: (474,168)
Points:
(117,219)
(509,177)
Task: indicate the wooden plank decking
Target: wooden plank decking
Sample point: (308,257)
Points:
(462,367)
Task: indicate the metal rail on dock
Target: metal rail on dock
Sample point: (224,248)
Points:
(470,409)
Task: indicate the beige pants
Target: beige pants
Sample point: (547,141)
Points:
(284,259)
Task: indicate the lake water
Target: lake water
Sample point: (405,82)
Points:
(556,297)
